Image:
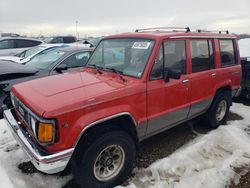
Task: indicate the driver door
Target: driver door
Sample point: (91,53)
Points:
(168,101)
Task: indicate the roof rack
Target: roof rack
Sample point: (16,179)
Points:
(187,29)
(213,31)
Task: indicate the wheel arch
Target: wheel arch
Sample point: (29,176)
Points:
(121,121)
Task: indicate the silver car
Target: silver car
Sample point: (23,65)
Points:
(15,45)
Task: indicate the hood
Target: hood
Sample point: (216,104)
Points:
(60,93)
(11,58)
(8,68)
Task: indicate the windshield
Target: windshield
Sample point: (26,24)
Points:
(45,59)
(48,40)
(126,56)
(31,51)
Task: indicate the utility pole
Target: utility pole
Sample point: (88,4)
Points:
(77,30)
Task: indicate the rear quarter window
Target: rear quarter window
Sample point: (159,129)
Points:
(22,43)
(227,52)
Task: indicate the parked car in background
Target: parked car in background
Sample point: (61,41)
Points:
(134,86)
(49,62)
(60,39)
(244,45)
(28,54)
(15,45)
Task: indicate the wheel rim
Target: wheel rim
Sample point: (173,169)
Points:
(109,163)
(221,110)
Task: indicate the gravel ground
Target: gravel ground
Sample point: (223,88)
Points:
(166,143)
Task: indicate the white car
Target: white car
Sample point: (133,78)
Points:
(30,53)
(15,45)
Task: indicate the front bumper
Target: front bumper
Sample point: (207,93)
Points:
(47,163)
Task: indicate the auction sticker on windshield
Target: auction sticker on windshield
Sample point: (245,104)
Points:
(141,45)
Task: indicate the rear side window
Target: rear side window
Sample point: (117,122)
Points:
(20,43)
(202,55)
(7,44)
(175,55)
(69,39)
(227,53)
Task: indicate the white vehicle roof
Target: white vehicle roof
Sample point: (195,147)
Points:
(244,46)
(23,38)
(39,48)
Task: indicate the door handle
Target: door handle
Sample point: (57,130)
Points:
(235,72)
(213,75)
(185,81)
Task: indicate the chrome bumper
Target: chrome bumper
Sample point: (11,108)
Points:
(46,163)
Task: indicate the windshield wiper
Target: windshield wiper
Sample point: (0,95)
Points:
(96,67)
(117,72)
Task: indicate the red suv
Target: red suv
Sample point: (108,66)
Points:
(135,85)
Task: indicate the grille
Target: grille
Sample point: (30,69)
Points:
(22,109)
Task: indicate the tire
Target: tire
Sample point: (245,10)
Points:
(219,110)
(88,163)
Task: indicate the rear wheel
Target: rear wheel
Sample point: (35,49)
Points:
(218,112)
(106,162)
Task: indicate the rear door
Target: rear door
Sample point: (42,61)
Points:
(203,76)
(7,47)
(168,101)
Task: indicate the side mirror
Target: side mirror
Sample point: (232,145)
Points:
(61,67)
(171,73)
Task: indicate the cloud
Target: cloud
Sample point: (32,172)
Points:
(111,16)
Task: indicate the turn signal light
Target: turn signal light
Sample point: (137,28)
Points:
(45,132)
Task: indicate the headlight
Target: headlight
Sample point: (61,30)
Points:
(12,98)
(44,130)
(33,123)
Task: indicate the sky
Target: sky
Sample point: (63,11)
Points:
(102,17)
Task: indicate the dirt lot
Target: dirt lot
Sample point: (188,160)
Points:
(166,143)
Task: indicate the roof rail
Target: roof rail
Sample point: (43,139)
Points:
(187,29)
(213,31)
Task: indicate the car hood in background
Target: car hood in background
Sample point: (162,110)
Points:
(11,58)
(8,67)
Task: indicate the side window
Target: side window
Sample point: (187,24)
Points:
(227,53)
(69,39)
(157,70)
(175,55)
(77,60)
(57,40)
(6,44)
(20,43)
(202,55)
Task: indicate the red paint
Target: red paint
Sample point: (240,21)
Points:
(80,98)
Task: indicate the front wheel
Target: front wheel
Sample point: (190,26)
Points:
(219,110)
(106,162)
